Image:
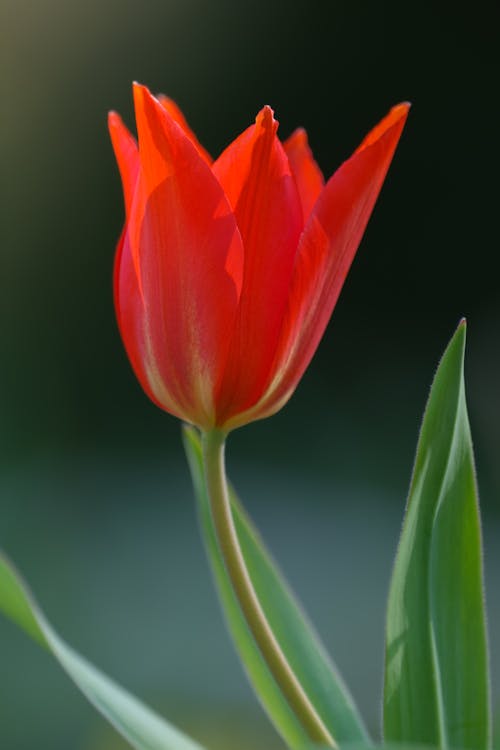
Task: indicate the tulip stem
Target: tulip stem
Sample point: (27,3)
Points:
(215,477)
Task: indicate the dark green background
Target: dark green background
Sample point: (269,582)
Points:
(95,501)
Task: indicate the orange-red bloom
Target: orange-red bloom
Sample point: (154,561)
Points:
(227,272)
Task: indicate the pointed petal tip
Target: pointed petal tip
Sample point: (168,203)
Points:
(165,100)
(120,134)
(143,97)
(299,136)
(115,120)
(394,120)
(398,112)
(138,94)
(266,119)
(142,94)
(138,88)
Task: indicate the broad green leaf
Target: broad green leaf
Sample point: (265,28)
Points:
(299,643)
(142,728)
(436,669)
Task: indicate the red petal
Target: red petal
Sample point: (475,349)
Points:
(130,316)
(327,248)
(308,175)
(397,114)
(179,276)
(127,156)
(255,174)
(176,114)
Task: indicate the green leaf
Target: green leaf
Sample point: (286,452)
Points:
(142,728)
(436,665)
(305,654)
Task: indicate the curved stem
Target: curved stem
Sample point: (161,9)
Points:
(215,477)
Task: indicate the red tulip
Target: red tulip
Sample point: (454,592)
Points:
(227,272)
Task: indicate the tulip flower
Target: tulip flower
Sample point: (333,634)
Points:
(226,275)
(227,272)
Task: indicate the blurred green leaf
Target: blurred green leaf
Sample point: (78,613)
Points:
(436,664)
(299,643)
(142,728)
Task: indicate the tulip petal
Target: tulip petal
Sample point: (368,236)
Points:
(129,313)
(133,326)
(255,174)
(396,116)
(327,248)
(127,156)
(176,114)
(179,270)
(308,176)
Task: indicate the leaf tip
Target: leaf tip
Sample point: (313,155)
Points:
(460,334)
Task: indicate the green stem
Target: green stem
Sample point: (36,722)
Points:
(215,477)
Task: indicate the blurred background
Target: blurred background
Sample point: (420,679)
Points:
(96,506)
